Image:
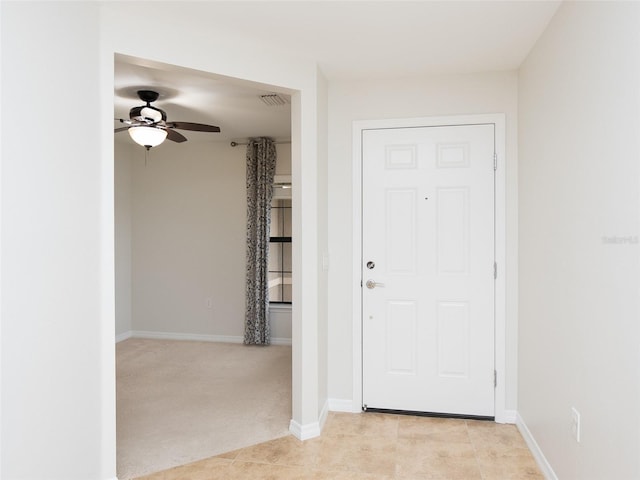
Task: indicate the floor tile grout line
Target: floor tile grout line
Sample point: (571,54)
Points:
(475,451)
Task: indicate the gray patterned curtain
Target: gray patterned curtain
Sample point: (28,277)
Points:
(261,166)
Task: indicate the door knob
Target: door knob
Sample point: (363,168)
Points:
(371,284)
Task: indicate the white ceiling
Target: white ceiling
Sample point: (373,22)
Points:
(348,39)
(192,96)
(363,39)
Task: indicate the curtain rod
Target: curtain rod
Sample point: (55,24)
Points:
(235,144)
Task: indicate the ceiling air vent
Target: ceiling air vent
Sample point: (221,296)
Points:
(274,99)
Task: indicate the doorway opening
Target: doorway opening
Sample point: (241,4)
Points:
(180,263)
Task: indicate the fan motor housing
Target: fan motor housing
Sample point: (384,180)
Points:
(136,113)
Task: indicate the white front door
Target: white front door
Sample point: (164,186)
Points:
(428,269)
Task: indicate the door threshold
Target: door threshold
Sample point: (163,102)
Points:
(429,414)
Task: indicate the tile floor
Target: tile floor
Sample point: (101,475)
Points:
(376,446)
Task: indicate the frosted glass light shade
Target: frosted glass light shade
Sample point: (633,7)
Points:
(148,136)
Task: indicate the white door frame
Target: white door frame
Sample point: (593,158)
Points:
(498,120)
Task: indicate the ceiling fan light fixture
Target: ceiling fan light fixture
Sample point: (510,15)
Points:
(148,125)
(148,136)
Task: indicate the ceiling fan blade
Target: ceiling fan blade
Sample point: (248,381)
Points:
(196,127)
(122,129)
(175,136)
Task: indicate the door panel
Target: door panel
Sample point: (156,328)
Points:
(428,224)
(401,330)
(453,339)
(452,227)
(400,232)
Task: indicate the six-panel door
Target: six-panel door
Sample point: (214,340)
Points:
(428,228)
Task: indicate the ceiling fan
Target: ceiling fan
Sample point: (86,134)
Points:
(148,125)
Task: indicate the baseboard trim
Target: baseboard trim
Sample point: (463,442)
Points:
(186,336)
(304,432)
(198,337)
(541,460)
(342,405)
(123,336)
(508,416)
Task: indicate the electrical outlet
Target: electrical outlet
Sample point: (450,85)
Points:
(575,424)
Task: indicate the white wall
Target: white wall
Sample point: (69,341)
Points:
(189,211)
(403,98)
(579,337)
(123,225)
(57,326)
(188,231)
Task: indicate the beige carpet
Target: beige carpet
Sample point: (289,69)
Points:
(181,401)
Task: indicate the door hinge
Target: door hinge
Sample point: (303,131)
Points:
(495,161)
(495,270)
(495,379)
